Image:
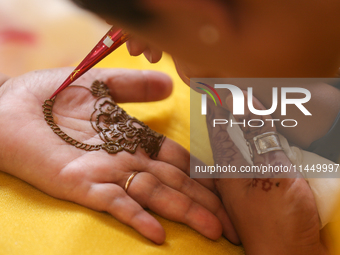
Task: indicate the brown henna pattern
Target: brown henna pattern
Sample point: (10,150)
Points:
(47,110)
(115,127)
(223,148)
(266,183)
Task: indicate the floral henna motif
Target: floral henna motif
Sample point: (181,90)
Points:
(115,127)
(266,183)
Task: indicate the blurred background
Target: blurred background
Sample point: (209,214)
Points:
(40,34)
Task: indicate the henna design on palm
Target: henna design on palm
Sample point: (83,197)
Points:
(118,130)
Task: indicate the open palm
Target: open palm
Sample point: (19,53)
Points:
(31,151)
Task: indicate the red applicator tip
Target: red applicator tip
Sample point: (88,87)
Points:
(111,41)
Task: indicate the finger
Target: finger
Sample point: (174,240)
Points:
(152,54)
(149,192)
(114,200)
(135,47)
(177,180)
(176,176)
(206,182)
(174,154)
(133,85)
(125,85)
(179,170)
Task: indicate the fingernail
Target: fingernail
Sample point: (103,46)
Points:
(148,55)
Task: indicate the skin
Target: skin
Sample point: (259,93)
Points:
(256,39)
(89,178)
(284,217)
(242,28)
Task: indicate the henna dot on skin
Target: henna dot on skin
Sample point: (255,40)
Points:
(277,184)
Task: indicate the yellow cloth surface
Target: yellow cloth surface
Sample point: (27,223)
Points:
(32,222)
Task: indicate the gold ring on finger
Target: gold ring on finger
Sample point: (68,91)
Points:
(129,180)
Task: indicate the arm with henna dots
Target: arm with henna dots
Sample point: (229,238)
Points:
(272,215)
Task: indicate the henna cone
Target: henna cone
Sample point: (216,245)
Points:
(111,41)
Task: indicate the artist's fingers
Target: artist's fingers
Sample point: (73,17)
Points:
(132,85)
(114,200)
(151,193)
(137,47)
(176,179)
(153,55)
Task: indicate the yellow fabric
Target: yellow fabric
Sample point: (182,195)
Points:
(32,222)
